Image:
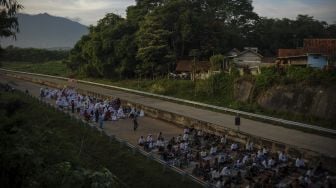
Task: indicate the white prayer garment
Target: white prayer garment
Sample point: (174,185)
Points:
(271,162)
(213,150)
(203,154)
(141,140)
(299,163)
(264,164)
(120,113)
(185,137)
(245,159)
(223,140)
(142,113)
(226,171)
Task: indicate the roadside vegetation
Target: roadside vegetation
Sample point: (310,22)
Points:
(55,68)
(41,147)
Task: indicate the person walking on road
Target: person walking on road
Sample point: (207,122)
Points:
(135,122)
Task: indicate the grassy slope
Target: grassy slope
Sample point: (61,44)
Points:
(54,138)
(56,68)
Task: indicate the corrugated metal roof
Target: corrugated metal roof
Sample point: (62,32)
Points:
(187,66)
(325,47)
(290,52)
(322,46)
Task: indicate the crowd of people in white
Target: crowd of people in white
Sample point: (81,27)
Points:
(224,163)
(212,158)
(90,108)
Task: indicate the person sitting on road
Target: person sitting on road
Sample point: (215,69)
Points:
(245,159)
(271,162)
(223,140)
(226,171)
(213,150)
(234,146)
(185,136)
(120,113)
(299,163)
(203,153)
(282,157)
(141,141)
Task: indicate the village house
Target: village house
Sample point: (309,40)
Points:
(248,59)
(316,53)
(194,70)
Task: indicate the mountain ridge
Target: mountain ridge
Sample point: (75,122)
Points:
(45,31)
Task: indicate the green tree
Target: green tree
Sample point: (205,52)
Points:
(154,51)
(216,62)
(8,21)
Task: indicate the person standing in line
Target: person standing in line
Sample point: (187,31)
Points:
(72,106)
(135,122)
(237,121)
(96,115)
(101,120)
(41,93)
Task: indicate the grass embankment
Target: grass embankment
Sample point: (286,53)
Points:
(41,147)
(218,91)
(55,68)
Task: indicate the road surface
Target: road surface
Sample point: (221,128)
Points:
(309,141)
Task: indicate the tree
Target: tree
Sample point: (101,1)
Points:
(8,21)
(154,51)
(216,62)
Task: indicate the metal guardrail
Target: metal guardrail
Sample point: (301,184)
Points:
(224,109)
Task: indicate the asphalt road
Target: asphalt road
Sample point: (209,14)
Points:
(309,141)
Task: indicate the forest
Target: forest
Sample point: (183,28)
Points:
(156,33)
(32,55)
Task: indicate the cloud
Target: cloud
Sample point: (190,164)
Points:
(322,10)
(90,11)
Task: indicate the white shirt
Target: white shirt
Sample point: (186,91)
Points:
(265,151)
(264,164)
(97,105)
(245,159)
(271,162)
(282,157)
(141,140)
(203,154)
(234,146)
(225,171)
(299,163)
(182,145)
(238,163)
(223,140)
(213,150)
(185,137)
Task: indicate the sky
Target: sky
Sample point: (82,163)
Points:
(88,12)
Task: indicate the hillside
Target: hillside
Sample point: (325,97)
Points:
(46,31)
